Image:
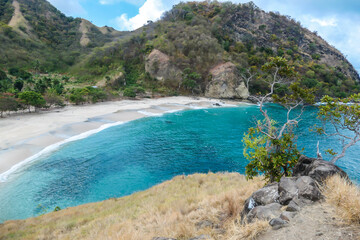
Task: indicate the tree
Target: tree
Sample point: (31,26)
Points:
(53,99)
(5,82)
(248,75)
(7,103)
(31,98)
(270,146)
(190,79)
(19,84)
(344,115)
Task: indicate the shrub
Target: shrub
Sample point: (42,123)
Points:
(129,92)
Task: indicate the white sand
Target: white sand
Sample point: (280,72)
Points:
(25,135)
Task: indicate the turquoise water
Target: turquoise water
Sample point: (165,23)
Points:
(139,154)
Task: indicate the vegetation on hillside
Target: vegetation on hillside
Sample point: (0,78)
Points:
(195,35)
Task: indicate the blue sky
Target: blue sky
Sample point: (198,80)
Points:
(337,21)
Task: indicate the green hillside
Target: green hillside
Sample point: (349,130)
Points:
(196,48)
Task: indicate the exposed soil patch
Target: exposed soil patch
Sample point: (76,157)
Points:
(316,221)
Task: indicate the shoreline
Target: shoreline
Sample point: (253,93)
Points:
(25,137)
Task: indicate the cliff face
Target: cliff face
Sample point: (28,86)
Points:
(226,83)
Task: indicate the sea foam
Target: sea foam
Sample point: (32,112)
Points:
(49,149)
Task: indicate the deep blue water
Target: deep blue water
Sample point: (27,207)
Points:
(137,155)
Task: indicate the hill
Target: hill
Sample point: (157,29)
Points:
(198,48)
(35,31)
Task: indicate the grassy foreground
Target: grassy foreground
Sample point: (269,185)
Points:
(170,209)
(173,209)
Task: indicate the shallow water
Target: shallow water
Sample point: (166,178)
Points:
(139,154)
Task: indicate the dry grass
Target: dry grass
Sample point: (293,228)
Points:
(170,209)
(249,231)
(345,197)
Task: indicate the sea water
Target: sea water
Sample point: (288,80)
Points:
(137,155)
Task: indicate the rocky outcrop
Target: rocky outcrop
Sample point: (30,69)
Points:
(159,66)
(317,169)
(291,193)
(226,83)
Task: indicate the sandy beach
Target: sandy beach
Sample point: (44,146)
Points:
(26,136)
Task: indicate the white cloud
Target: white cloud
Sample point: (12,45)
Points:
(69,7)
(134,2)
(151,10)
(329,22)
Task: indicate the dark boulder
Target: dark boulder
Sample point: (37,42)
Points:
(287,190)
(308,189)
(317,169)
(266,195)
(266,212)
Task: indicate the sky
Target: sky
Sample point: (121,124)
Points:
(336,21)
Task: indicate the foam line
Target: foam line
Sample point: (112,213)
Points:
(150,114)
(4,176)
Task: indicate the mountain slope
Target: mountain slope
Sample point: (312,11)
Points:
(201,48)
(37,31)
(194,39)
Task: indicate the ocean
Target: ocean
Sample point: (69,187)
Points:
(137,155)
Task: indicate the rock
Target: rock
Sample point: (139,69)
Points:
(308,189)
(205,224)
(163,238)
(287,190)
(226,83)
(266,212)
(287,216)
(293,207)
(317,169)
(278,223)
(159,66)
(263,196)
(200,237)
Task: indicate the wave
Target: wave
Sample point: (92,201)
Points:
(49,149)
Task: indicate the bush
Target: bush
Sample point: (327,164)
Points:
(274,161)
(129,92)
(31,98)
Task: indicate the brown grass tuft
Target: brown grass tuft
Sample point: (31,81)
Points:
(345,197)
(248,231)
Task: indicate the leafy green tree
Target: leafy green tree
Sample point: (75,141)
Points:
(190,79)
(52,98)
(31,98)
(19,84)
(270,147)
(7,103)
(271,156)
(344,115)
(5,82)
(79,96)
(129,92)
